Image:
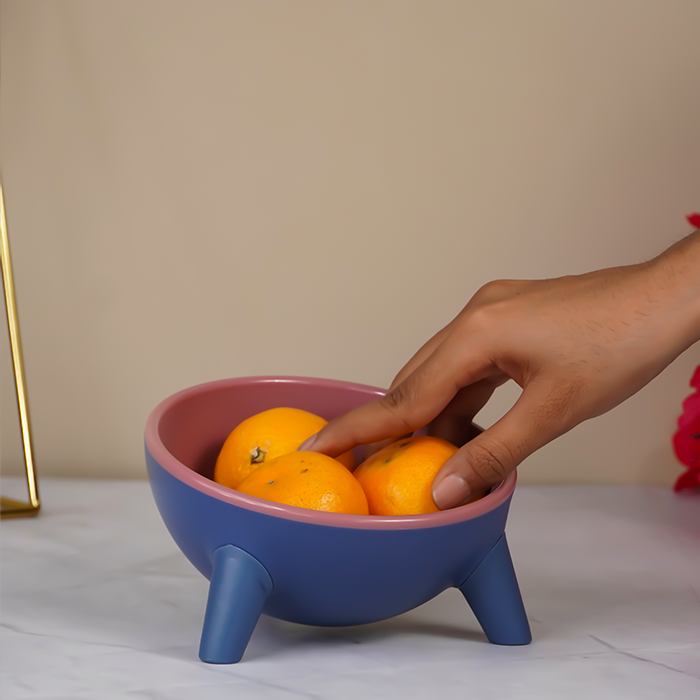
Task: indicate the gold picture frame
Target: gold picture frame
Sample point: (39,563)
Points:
(9,507)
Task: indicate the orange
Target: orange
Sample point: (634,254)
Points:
(398,478)
(307,480)
(263,437)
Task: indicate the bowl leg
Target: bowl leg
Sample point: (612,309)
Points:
(238,589)
(493,594)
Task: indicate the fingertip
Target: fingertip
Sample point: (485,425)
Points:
(450,491)
(307,445)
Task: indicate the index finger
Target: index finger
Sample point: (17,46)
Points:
(410,405)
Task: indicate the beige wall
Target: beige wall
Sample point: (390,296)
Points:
(199,190)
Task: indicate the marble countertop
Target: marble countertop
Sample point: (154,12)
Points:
(97,603)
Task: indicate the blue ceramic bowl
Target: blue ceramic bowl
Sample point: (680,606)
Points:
(303,565)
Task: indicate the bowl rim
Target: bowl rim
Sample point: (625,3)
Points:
(188,476)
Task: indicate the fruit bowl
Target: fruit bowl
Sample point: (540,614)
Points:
(306,566)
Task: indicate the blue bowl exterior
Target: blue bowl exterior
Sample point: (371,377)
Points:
(326,575)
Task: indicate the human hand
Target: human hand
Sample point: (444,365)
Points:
(577,346)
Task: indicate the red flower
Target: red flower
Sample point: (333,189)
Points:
(686,441)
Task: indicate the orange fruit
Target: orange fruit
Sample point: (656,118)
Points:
(263,437)
(307,480)
(398,478)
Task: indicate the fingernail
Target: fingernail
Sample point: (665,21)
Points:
(450,492)
(307,444)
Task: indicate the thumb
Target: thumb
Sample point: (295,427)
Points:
(489,458)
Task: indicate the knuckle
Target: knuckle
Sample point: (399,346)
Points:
(398,402)
(491,463)
(482,318)
(495,290)
(490,306)
(395,398)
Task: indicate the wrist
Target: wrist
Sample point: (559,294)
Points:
(676,279)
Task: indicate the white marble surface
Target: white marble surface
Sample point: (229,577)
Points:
(97,603)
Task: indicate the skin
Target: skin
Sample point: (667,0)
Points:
(577,346)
